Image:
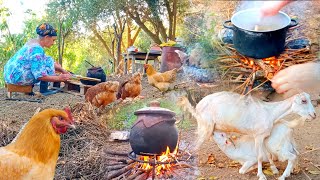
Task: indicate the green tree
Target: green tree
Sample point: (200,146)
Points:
(151,16)
(64,19)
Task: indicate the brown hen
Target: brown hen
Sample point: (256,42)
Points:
(102,94)
(130,88)
(161,81)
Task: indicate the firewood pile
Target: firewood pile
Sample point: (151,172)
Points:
(120,166)
(247,71)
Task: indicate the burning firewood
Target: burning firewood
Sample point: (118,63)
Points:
(145,166)
(241,69)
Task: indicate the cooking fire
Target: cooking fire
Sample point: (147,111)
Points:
(155,147)
(164,166)
(246,70)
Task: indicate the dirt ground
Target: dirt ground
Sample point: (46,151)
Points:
(211,163)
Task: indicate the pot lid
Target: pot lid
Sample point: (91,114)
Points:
(251,20)
(154,108)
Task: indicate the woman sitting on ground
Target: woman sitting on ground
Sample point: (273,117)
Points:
(30,64)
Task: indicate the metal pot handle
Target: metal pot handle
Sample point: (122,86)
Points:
(228,27)
(293,23)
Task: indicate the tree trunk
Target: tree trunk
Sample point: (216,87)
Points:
(174,14)
(153,36)
(60,42)
(104,43)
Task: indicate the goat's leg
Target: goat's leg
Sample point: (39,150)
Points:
(259,145)
(205,130)
(272,165)
(291,161)
(246,166)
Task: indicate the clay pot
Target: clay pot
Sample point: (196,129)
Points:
(170,59)
(154,130)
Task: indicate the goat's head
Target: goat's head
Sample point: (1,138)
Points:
(302,105)
(222,139)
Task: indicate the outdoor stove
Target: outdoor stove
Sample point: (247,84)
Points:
(168,165)
(155,150)
(155,164)
(249,71)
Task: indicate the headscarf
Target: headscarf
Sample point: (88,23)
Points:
(45,29)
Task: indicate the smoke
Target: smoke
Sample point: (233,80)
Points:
(249,4)
(296,8)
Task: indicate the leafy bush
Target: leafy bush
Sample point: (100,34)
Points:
(198,31)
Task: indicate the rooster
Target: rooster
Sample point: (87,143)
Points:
(102,94)
(33,154)
(161,81)
(131,88)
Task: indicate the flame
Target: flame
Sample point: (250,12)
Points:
(164,157)
(248,62)
(272,61)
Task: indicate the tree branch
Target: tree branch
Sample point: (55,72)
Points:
(153,36)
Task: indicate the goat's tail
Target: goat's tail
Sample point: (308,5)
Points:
(294,123)
(205,127)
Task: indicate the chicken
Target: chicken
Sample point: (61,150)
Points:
(161,81)
(102,94)
(33,154)
(130,88)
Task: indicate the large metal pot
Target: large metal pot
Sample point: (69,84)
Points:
(154,130)
(258,37)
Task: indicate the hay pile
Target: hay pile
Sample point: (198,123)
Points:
(81,148)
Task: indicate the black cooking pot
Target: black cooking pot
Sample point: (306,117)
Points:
(154,130)
(259,37)
(94,72)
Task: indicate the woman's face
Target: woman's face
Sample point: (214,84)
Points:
(49,41)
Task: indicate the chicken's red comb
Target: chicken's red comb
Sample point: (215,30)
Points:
(68,111)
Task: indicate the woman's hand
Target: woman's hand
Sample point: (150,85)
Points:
(271,8)
(297,78)
(59,68)
(65,72)
(64,77)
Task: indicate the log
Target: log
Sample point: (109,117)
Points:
(119,172)
(143,176)
(125,161)
(115,167)
(116,153)
(114,164)
(265,67)
(135,175)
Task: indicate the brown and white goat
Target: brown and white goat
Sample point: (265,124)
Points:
(280,144)
(232,112)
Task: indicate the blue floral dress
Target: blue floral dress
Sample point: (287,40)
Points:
(27,65)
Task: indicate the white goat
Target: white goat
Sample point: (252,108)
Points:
(280,144)
(231,112)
